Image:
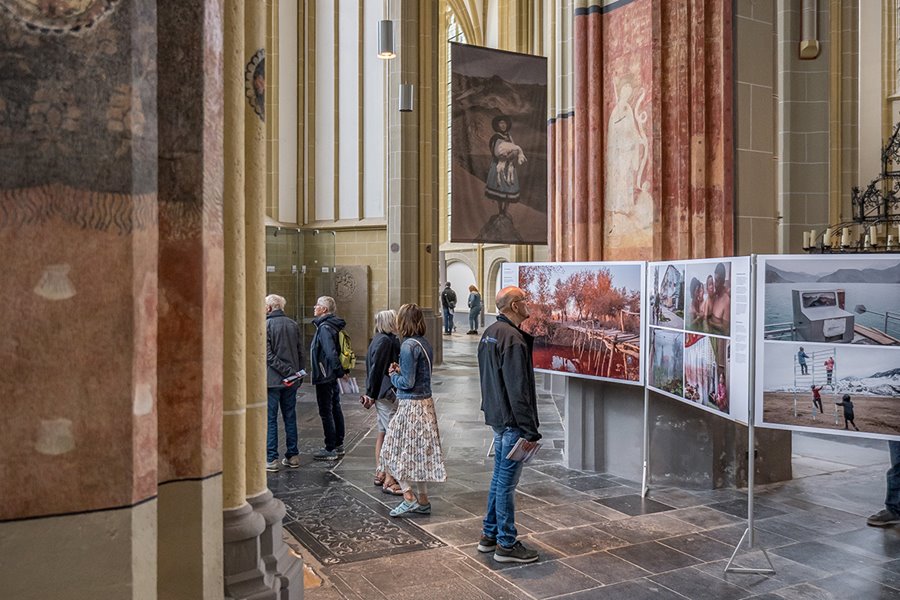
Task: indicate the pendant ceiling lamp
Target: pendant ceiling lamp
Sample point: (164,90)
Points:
(386,39)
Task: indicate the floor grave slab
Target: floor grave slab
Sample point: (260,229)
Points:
(546,579)
(638,589)
(647,528)
(345,525)
(565,515)
(579,540)
(697,585)
(823,556)
(654,557)
(605,567)
(738,508)
(699,546)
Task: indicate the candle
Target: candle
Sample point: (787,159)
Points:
(866,241)
(845,237)
(890,241)
(873,235)
(805,240)
(812,238)
(826,239)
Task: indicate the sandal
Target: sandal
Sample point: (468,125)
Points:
(379,479)
(393,489)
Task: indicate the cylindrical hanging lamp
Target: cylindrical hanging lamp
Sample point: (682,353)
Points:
(406,97)
(386,39)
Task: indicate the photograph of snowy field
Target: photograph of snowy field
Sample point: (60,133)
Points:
(841,389)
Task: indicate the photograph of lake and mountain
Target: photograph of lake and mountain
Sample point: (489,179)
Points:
(586,318)
(845,300)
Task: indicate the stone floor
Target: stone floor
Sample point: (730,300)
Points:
(597,537)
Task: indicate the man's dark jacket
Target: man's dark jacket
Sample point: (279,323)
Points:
(508,395)
(324,353)
(283,354)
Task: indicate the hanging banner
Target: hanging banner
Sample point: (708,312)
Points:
(699,333)
(828,350)
(586,317)
(498,157)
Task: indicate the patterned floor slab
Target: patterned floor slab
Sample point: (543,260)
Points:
(343,525)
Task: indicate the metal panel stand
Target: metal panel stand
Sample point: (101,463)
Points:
(751,448)
(645,477)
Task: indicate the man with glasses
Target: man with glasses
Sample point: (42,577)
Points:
(325,359)
(509,402)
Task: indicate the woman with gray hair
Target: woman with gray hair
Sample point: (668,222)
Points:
(384,350)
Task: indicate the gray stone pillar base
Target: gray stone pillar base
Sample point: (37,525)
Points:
(434,333)
(285,568)
(689,447)
(246,577)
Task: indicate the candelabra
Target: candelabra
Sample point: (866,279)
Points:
(876,206)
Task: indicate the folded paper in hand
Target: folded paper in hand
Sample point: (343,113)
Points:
(292,379)
(348,385)
(519,453)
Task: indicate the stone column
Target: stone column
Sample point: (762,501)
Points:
(413,225)
(283,569)
(190,300)
(78,237)
(245,573)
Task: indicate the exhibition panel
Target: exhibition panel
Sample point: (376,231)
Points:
(828,331)
(699,333)
(586,317)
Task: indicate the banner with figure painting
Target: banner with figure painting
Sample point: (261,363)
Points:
(828,344)
(498,139)
(586,317)
(699,339)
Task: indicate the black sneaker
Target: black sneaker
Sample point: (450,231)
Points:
(884,518)
(486,544)
(323,454)
(517,554)
(340,450)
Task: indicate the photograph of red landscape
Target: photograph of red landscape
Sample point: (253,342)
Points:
(586,318)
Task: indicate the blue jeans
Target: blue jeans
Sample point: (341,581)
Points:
(328,396)
(473,318)
(286,398)
(892,499)
(500,519)
(448,320)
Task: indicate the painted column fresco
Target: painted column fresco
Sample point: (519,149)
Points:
(191,276)
(78,233)
(652,145)
(190,245)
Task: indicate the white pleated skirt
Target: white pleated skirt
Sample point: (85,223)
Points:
(412,444)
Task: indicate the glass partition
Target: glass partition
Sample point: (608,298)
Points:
(300,267)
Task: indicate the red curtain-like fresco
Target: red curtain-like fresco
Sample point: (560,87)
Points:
(643,168)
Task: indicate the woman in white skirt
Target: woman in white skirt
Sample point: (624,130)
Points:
(412,446)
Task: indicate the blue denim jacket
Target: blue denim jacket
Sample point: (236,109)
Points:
(413,382)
